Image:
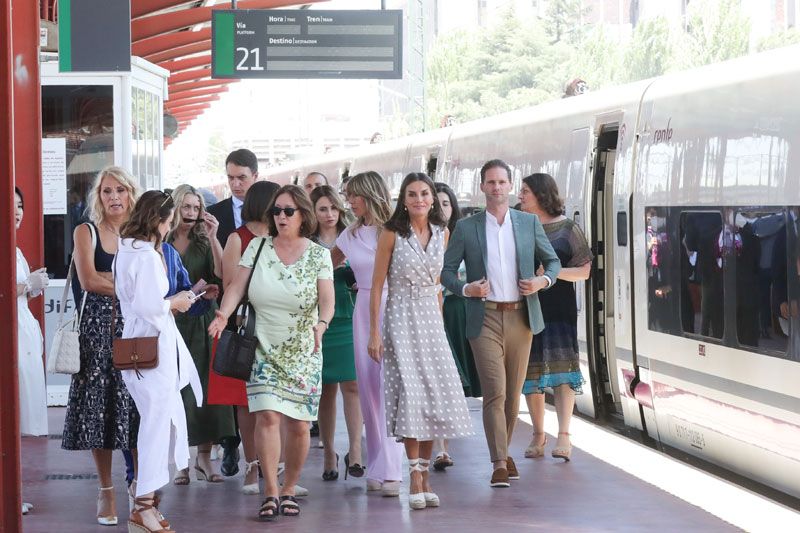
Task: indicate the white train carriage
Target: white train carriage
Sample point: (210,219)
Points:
(687,188)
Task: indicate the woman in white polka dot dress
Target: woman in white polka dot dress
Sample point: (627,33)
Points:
(423,393)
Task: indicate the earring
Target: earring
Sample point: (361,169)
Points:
(405,208)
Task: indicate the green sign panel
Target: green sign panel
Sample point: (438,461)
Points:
(271,43)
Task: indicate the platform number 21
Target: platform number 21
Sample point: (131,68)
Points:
(256,62)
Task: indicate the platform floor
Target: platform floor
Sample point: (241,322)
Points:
(585,494)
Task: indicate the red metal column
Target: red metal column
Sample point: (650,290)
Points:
(28,136)
(10,500)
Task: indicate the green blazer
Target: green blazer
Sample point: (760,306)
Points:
(468,244)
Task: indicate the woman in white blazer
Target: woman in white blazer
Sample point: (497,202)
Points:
(141,284)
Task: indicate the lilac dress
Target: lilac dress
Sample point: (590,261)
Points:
(384,454)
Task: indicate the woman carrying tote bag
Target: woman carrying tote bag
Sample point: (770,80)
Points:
(141,285)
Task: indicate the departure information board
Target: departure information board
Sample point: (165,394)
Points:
(272,43)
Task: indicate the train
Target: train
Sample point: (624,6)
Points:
(687,187)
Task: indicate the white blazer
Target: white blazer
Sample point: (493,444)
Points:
(141,286)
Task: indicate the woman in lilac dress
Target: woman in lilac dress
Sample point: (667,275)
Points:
(369,201)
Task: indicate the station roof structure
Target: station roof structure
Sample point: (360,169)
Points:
(176,35)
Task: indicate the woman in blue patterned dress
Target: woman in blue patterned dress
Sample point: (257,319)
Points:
(554,352)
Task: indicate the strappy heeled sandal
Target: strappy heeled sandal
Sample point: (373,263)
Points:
(442,461)
(136,523)
(181,477)
(563,452)
(269,509)
(415,501)
(534,451)
(202,475)
(289,506)
(431,499)
(251,488)
(106,520)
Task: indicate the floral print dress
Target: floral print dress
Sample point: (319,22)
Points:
(287,372)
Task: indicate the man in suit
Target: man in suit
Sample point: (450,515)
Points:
(500,248)
(241,166)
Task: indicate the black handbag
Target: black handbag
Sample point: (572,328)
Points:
(236,350)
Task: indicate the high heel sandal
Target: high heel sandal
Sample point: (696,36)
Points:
(156,502)
(534,451)
(415,501)
(355,470)
(332,475)
(562,453)
(251,488)
(202,475)
(136,523)
(106,520)
(442,461)
(431,499)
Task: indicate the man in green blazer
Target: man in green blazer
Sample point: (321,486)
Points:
(500,248)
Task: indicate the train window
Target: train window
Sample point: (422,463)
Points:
(701,266)
(622,228)
(757,238)
(661,298)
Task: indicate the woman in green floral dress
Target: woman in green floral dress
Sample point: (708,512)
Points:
(292,293)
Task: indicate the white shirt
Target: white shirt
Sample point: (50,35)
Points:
(501,260)
(237,211)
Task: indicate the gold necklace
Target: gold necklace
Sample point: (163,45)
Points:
(109,228)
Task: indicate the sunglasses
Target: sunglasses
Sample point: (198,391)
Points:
(167,199)
(288,211)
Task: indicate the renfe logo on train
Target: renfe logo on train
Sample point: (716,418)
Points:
(665,135)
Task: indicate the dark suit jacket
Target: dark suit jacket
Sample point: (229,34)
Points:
(468,244)
(223,211)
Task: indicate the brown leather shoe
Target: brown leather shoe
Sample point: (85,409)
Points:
(513,473)
(500,478)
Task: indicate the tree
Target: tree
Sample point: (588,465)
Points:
(563,20)
(717,31)
(649,53)
(778,40)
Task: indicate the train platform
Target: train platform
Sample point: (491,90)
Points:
(611,484)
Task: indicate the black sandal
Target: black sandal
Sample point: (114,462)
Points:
(269,509)
(289,506)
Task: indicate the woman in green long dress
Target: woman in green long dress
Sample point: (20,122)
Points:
(194,236)
(454,314)
(338,360)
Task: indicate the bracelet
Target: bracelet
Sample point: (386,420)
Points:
(324,322)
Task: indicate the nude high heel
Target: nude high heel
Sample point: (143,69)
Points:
(106,520)
(534,451)
(563,452)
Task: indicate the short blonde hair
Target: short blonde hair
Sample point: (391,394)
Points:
(96,212)
(372,188)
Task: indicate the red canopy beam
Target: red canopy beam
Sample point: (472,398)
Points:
(180,65)
(199,92)
(196,107)
(140,8)
(197,84)
(189,75)
(174,104)
(160,43)
(145,27)
(181,51)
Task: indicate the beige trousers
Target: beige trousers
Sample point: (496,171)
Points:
(501,357)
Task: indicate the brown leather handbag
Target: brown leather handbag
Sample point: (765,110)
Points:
(136,353)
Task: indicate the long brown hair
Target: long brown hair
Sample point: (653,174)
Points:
(326,191)
(152,208)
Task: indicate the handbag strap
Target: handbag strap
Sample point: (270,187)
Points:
(68,283)
(244,304)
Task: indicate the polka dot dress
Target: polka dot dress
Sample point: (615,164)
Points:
(423,393)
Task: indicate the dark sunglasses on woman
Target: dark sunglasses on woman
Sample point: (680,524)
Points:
(288,211)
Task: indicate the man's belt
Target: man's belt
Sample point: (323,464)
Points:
(504,306)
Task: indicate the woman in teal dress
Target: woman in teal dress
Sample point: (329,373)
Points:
(194,237)
(454,314)
(338,360)
(292,293)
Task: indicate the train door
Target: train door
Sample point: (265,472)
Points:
(600,327)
